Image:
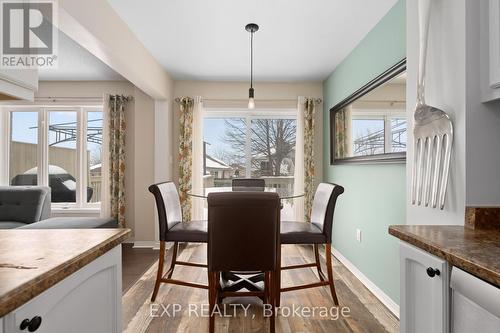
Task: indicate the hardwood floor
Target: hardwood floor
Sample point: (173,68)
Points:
(135,262)
(180,309)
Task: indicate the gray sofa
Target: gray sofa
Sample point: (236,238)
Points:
(28,207)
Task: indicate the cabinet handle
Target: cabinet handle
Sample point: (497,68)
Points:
(32,325)
(433,272)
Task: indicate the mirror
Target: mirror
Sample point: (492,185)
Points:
(370,125)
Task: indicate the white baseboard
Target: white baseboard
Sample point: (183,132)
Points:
(155,245)
(383,297)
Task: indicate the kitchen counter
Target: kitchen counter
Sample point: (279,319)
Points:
(32,261)
(475,251)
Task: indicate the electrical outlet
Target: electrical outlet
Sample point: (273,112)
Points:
(358,235)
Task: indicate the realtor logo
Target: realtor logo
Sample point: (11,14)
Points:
(29,34)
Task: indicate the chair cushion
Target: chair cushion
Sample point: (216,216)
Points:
(73,223)
(193,231)
(301,233)
(11,224)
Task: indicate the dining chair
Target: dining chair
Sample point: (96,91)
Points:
(243,232)
(173,229)
(256,184)
(317,232)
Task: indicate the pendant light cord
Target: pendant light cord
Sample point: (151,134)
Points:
(251,59)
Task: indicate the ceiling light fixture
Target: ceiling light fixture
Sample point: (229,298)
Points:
(251,28)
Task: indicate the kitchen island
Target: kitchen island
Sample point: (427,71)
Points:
(61,280)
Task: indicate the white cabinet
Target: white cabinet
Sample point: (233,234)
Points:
(494,42)
(424,292)
(88,300)
(18,84)
(490,49)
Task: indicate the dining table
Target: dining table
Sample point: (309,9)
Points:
(251,281)
(283,192)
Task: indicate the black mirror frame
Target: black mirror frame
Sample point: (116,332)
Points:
(389,74)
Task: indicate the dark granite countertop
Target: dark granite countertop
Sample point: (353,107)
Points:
(474,251)
(32,261)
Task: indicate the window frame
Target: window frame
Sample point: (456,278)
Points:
(249,115)
(43,110)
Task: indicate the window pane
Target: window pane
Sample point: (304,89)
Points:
(62,155)
(273,155)
(399,134)
(224,151)
(368,136)
(23,148)
(269,152)
(94,154)
(273,148)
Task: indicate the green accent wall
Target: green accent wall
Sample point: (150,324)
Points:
(375,195)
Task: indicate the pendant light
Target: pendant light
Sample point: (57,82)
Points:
(251,28)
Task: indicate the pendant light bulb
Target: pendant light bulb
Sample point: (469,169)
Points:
(251,100)
(251,103)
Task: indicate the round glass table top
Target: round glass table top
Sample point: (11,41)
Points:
(284,193)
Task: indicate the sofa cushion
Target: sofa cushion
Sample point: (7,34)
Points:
(25,204)
(73,223)
(11,224)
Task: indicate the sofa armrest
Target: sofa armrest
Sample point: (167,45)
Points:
(46,206)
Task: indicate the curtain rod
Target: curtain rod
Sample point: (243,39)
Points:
(127,98)
(178,100)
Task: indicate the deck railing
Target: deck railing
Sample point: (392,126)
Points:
(95,183)
(285,182)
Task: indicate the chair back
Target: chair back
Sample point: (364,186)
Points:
(248,184)
(168,206)
(243,231)
(323,207)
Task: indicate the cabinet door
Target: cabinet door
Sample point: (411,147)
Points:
(424,292)
(494,36)
(88,300)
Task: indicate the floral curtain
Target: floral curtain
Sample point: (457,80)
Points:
(309,115)
(341,133)
(116,128)
(185,155)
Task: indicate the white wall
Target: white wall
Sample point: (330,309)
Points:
(445,89)
(236,93)
(454,84)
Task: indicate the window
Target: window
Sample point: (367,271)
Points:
(378,132)
(23,148)
(398,134)
(250,144)
(63,155)
(60,147)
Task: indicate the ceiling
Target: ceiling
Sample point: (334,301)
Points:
(76,64)
(298,40)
